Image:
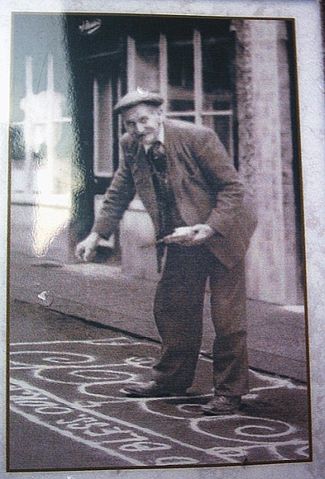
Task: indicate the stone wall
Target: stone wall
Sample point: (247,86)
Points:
(266,157)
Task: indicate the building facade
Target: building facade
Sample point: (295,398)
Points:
(236,76)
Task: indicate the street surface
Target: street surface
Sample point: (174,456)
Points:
(68,410)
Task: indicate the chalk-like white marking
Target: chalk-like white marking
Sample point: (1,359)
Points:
(241,452)
(116,377)
(288,429)
(54,357)
(233,452)
(118,341)
(175,460)
(244,430)
(60,361)
(24,384)
(146,402)
(84,388)
(48,367)
(106,375)
(276,382)
(74,437)
(276,454)
(122,340)
(140,362)
(303,450)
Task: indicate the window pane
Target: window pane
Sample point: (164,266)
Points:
(180,105)
(103,134)
(222,126)
(146,39)
(180,72)
(216,64)
(218,101)
(147,66)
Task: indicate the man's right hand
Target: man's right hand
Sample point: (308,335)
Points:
(86,249)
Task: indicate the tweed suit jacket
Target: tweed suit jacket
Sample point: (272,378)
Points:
(206,186)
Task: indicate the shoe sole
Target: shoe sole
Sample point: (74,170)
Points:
(162,395)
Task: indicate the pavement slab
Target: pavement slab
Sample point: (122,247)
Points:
(67,393)
(103,294)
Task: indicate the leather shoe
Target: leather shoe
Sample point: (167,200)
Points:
(152,389)
(220,405)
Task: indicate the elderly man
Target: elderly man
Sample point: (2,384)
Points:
(203,224)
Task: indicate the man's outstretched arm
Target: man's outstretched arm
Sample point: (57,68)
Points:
(116,200)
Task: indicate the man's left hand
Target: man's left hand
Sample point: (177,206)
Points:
(190,235)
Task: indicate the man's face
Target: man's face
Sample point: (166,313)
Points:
(143,121)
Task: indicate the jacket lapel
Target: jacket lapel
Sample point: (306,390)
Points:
(171,145)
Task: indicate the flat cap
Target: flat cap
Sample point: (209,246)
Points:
(138,96)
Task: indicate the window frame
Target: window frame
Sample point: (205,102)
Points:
(198,113)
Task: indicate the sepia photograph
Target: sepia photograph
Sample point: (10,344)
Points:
(157,299)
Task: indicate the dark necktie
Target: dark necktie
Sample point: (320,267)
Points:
(156,156)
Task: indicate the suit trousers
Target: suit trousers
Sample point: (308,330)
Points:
(178,311)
